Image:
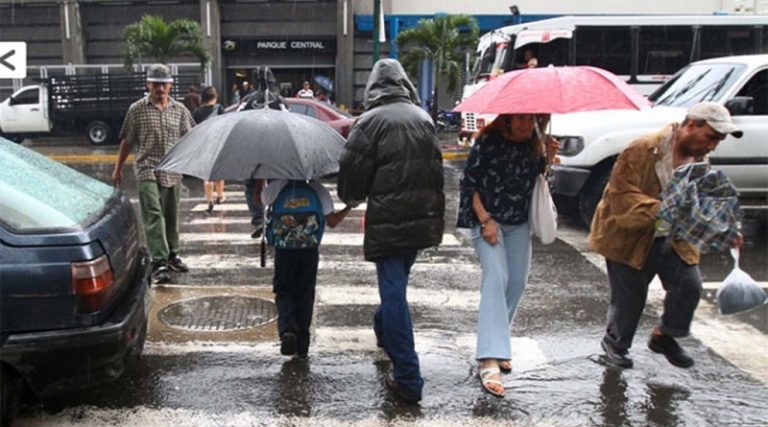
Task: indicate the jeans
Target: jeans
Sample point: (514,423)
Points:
(256,208)
(629,290)
(392,321)
(505,268)
(159,208)
(294,288)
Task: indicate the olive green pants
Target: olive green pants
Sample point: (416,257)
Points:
(160,216)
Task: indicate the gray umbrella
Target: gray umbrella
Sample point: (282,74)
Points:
(260,143)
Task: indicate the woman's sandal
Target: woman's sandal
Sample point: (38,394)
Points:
(505,366)
(485,379)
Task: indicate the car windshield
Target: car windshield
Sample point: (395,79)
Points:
(700,82)
(39,193)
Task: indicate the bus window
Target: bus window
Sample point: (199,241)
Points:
(727,41)
(550,53)
(604,47)
(664,50)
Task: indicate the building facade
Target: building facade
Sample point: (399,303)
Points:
(326,42)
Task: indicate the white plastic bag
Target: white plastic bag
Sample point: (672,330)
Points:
(739,291)
(542,215)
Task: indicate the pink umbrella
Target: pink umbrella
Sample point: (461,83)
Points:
(554,90)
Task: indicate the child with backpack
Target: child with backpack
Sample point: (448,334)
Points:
(297,215)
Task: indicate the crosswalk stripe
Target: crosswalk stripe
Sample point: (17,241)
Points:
(242,207)
(330,239)
(369,295)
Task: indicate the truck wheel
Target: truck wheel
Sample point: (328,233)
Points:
(8,398)
(99,132)
(592,193)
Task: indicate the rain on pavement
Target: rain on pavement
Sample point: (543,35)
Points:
(190,376)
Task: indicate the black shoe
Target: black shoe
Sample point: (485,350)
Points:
(176,264)
(210,207)
(394,388)
(257,230)
(160,274)
(288,344)
(666,345)
(614,356)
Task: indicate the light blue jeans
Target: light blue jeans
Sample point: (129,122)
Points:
(505,268)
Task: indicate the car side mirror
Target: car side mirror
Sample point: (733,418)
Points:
(741,105)
(12,101)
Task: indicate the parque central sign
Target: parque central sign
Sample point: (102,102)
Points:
(290,45)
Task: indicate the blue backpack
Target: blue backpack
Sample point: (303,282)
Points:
(295,220)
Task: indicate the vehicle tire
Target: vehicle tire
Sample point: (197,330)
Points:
(99,132)
(8,398)
(13,138)
(592,193)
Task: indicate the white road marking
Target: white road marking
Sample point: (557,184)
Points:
(243,207)
(369,295)
(329,239)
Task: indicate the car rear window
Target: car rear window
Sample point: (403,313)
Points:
(39,193)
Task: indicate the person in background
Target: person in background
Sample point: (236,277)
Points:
(152,126)
(627,232)
(210,108)
(306,91)
(495,196)
(235,95)
(298,212)
(392,158)
(192,100)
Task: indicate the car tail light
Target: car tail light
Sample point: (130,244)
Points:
(480,123)
(92,284)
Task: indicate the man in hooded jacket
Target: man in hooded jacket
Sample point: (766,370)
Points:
(393,160)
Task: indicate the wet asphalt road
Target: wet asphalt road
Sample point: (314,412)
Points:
(219,378)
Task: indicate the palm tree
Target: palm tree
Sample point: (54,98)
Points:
(442,41)
(153,38)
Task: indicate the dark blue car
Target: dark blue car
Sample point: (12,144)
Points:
(73,279)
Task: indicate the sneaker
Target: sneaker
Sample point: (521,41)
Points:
(288,344)
(176,264)
(666,345)
(614,356)
(257,230)
(160,273)
(394,388)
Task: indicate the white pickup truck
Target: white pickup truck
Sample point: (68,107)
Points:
(591,141)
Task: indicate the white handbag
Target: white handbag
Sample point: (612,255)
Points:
(542,215)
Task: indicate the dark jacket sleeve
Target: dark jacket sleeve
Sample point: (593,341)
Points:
(356,167)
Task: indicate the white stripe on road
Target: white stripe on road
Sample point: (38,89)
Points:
(329,239)
(369,295)
(243,207)
(526,353)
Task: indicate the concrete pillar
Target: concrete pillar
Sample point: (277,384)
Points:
(72,35)
(210,21)
(345,51)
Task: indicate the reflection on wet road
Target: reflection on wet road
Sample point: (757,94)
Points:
(205,378)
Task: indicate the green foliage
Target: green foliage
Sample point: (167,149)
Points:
(153,38)
(443,41)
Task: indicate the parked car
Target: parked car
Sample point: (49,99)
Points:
(591,141)
(334,117)
(73,279)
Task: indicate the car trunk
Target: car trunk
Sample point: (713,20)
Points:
(36,290)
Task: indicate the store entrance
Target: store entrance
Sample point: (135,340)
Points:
(289,80)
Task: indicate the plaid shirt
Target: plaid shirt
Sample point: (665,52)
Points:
(151,133)
(702,207)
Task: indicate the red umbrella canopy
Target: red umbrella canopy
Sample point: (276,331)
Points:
(555,90)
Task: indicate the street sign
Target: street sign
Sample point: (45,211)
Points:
(13,60)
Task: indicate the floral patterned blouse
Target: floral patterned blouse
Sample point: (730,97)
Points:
(503,174)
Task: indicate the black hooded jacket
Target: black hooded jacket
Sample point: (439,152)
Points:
(393,160)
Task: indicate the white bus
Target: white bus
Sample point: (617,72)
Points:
(645,50)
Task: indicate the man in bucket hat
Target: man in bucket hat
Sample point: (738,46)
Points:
(627,231)
(152,126)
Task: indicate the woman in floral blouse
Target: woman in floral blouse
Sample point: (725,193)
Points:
(495,198)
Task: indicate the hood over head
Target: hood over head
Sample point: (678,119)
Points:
(387,82)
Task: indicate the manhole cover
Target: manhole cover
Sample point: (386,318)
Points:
(221,313)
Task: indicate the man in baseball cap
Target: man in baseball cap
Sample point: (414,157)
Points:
(628,232)
(716,116)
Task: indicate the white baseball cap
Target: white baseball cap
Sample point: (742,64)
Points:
(716,116)
(159,73)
